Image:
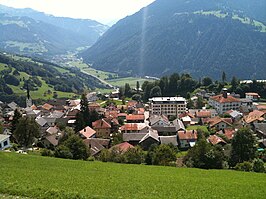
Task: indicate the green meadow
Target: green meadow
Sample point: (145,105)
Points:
(43,177)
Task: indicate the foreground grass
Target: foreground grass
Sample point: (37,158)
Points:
(43,177)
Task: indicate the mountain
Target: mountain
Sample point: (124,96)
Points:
(44,79)
(30,32)
(200,37)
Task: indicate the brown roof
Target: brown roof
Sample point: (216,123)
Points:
(112,114)
(101,124)
(135,117)
(261,107)
(96,144)
(221,99)
(123,147)
(216,120)
(229,133)
(253,94)
(87,132)
(132,103)
(187,135)
(214,139)
(47,106)
(254,116)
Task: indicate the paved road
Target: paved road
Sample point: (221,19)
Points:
(101,80)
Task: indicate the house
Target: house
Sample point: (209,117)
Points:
(4,142)
(169,140)
(158,120)
(122,147)
(92,97)
(150,138)
(214,140)
(87,133)
(235,115)
(224,102)
(260,129)
(253,96)
(51,137)
(133,127)
(104,127)
(187,139)
(42,123)
(255,116)
(94,106)
(133,138)
(96,145)
(203,114)
(220,123)
(228,133)
(135,118)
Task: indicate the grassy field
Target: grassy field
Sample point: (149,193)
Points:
(132,81)
(43,177)
(195,127)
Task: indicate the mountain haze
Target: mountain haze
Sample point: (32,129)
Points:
(29,32)
(201,37)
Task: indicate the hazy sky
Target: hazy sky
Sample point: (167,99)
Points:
(104,11)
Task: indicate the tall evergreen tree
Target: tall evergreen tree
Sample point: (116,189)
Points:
(243,146)
(16,118)
(223,77)
(137,86)
(27,131)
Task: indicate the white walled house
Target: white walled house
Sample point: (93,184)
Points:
(224,102)
(253,96)
(4,142)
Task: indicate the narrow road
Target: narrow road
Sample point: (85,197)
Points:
(101,80)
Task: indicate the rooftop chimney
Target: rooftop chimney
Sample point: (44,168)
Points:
(224,92)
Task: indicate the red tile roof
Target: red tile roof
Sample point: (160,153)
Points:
(123,147)
(253,94)
(216,120)
(135,117)
(87,132)
(187,135)
(133,127)
(229,133)
(101,124)
(203,114)
(132,103)
(221,99)
(47,106)
(214,139)
(254,116)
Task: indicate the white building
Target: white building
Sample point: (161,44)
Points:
(224,102)
(169,106)
(253,96)
(4,142)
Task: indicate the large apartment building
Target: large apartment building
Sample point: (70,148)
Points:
(169,106)
(224,102)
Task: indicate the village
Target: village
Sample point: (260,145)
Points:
(163,120)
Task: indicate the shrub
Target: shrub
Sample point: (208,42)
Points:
(134,156)
(91,159)
(63,152)
(47,152)
(244,166)
(258,166)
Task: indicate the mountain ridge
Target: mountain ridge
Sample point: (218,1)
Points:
(174,38)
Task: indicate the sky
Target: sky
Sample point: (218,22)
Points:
(104,11)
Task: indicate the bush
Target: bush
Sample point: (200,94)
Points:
(47,152)
(63,152)
(91,159)
(244,166)
(134,156)
(258,166)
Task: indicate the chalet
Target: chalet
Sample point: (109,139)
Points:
(158,120)
(87,133)
(122,147)
(104,127)
(135,118)
(187,139)
(133,138)
(260,129)
(253,96)
(133,127)
(150,138)
(235,115)
(255,117)
(4,142)
(220,123)
(96,145)
(94,106)
(169,140)
(215,140)
(227,132)
(224,102)
(51,137)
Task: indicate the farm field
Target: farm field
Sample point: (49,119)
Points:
(44,177)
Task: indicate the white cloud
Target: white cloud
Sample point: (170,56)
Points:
(100,10)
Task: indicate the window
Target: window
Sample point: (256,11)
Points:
(5,143)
